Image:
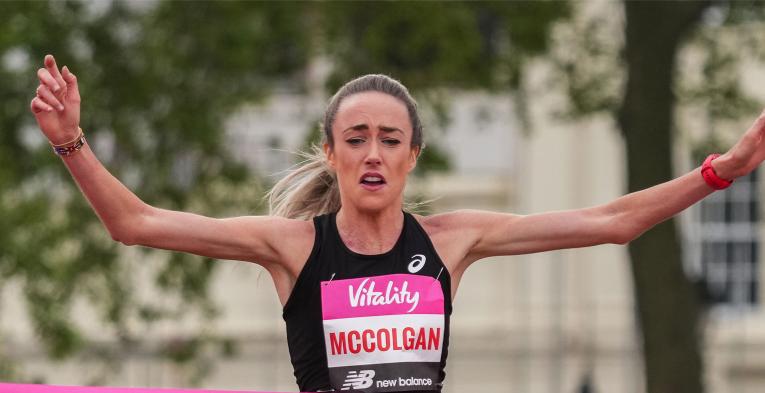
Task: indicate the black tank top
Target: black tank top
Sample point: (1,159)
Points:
(371,323)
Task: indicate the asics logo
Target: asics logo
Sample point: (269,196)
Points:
(418,261)
(361,379)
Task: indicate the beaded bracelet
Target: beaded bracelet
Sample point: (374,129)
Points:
(68,148)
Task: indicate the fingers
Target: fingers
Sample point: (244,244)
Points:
(47,96)
(73,91)
(50,65)
(750,145)
(48,80)
(56,88)
(38,105)
(759,121)
(757,130)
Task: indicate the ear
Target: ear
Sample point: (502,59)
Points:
(414,153)
(329,153)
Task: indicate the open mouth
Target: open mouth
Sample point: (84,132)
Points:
(372,179)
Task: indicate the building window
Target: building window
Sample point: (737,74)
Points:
(723,245)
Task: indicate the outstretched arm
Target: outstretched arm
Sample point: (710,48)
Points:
(618,221)
(127,218)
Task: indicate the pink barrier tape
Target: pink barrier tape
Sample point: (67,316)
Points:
(21,388)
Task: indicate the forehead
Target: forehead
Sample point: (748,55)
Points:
(372,108)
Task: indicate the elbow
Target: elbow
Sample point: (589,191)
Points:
(124,237)
(613,226)
(118,238)
(624,227)
(622,238)
(627,234)
(128,231)
(622,231)
(127,241)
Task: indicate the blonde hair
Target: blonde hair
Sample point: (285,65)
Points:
(311,188)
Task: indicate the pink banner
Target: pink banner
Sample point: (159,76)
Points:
(381,295)
(19,388)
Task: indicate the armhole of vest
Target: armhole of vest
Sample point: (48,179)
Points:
(301,277)
(433,250)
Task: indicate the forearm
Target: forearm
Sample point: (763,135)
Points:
(639,211)
(118,208)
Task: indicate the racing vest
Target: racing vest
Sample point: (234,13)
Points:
(370,323)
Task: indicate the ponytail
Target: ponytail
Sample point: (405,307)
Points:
(307,191)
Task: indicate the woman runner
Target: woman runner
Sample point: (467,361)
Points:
(366,287)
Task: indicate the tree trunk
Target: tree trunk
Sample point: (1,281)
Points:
(667,306)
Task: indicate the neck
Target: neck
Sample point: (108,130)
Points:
(370,232)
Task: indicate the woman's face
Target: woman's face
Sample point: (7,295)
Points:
(372,153)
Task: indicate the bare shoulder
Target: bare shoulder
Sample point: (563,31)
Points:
(290,226)
(452,235)
(281,245)
(293,241)
(456,221)
(290,242)
(266,240)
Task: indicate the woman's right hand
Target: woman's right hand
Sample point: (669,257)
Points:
(56,105)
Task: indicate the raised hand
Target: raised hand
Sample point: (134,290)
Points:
(56,105)
(745,155)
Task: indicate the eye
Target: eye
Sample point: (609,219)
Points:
(354,141)
(391,142)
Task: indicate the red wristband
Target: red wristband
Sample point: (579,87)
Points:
(709,175)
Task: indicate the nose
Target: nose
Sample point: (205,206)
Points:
(373,155)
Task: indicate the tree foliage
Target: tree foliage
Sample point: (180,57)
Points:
(675,54)
(435,47)
(438,44)
(156,83)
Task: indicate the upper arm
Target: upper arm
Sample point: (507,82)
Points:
(511,234)
(261,239)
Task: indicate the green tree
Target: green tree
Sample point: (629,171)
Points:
(711,40)
(669,308)
(667,305)
(435,46)
(156,85)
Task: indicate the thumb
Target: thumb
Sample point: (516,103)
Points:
(72,90)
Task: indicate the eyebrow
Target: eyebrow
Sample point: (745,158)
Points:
(364,126)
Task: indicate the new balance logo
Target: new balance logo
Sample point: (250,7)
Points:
(361,379)
(418,261)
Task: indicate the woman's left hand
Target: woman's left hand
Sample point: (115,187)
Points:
(745,155)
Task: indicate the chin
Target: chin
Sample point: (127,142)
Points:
(373,206)
(374,203)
